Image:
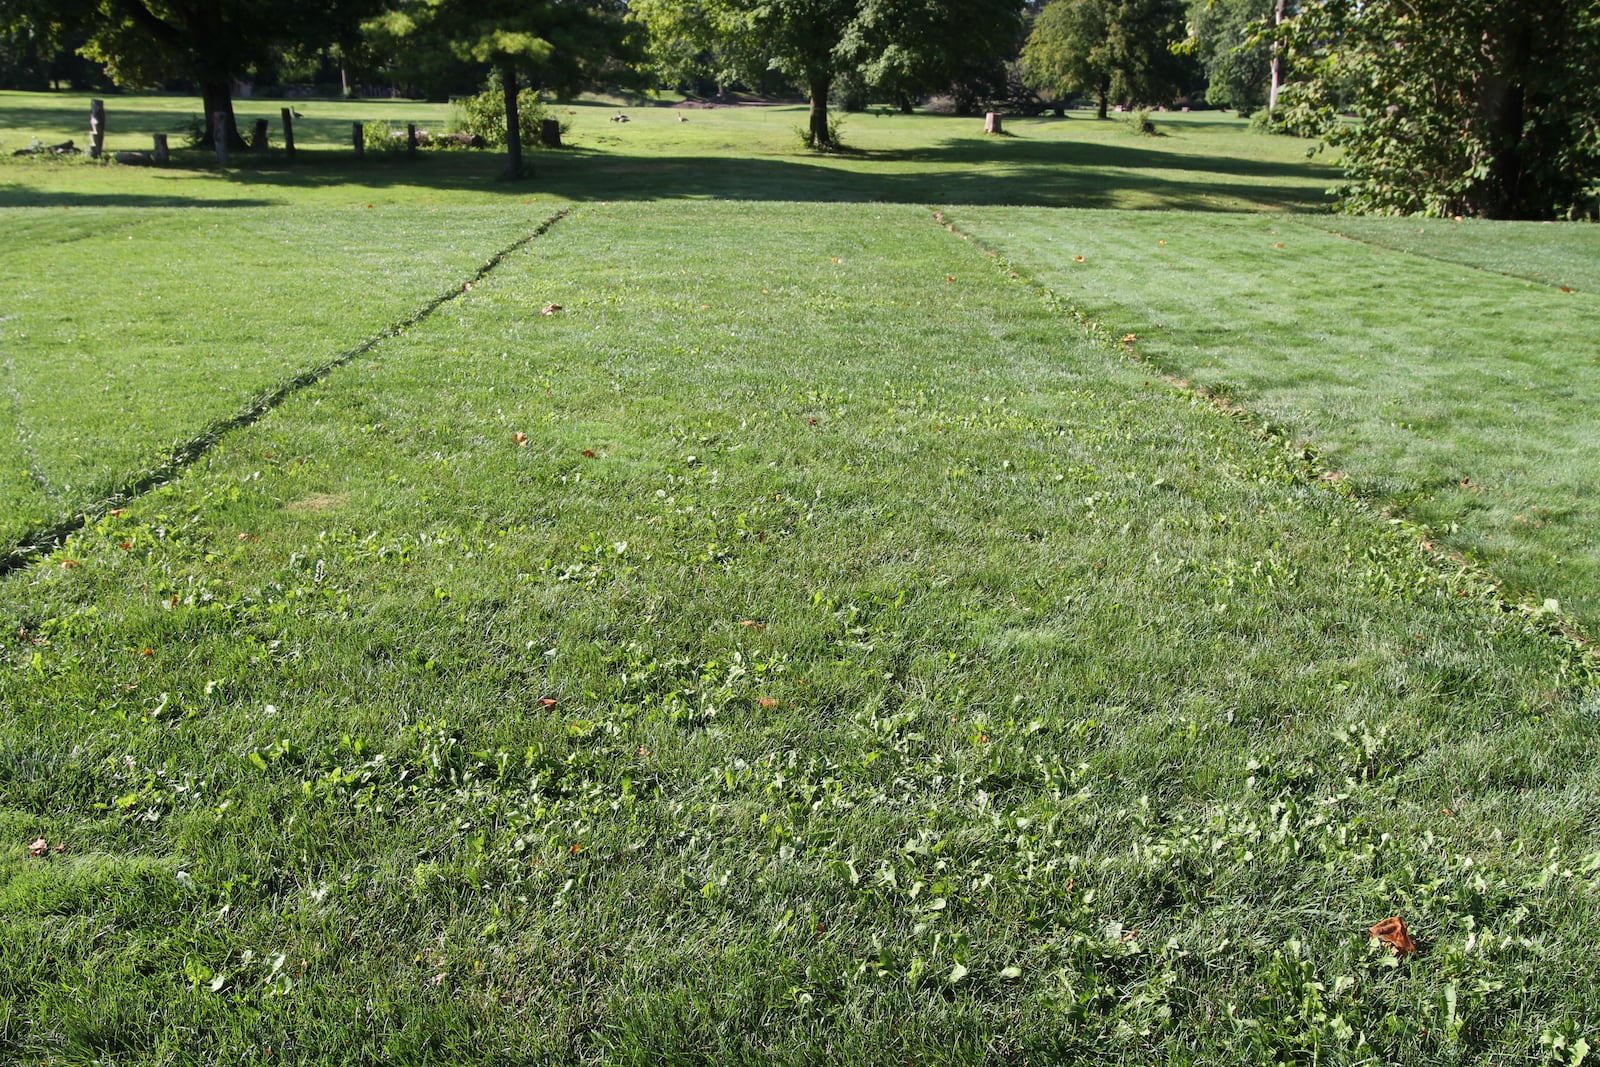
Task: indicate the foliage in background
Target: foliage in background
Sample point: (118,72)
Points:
(561,45)
(484,116)
(824,45)
(210,42)
(1229,40)
(1110,48)
(1482,107)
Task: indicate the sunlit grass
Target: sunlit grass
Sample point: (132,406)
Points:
(802,645)
(1446,386)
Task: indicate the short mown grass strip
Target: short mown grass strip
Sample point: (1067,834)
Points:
(803,645)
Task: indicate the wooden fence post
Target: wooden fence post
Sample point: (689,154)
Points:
(258,140)
(219,136)
(411,138)
(288,132)
(161,153)
(358,138)
(97,128)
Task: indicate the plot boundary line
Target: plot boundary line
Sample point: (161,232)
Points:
(45,539)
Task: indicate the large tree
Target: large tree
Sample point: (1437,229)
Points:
(1462,107)
(208,42)
(559,45)
(1235,42)
(899,46)
(1122,48)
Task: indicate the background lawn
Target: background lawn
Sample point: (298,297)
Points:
(759,631)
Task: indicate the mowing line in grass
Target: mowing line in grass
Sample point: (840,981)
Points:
(1306,458)
(48,538)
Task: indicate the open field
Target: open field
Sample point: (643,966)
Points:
(805,642)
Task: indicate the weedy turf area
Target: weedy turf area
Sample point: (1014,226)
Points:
(769,632)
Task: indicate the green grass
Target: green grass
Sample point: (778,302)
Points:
(1204,162)
(128,332)
(1453,378)
(901,676)
(805,644)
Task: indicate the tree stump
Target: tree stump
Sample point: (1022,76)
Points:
(550,133)
(358,138)
(161,154)
(258,140)
(97,128)
(411,138)
(991,122)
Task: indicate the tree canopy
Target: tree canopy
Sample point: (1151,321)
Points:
(559,45)
(1122,48)
(209,42)
(899,48)
(1462,107)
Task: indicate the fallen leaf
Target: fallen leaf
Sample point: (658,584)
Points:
(575,849)
(836,259)
(1077,259)
(520,438)
(1129,338)
(588,453)
(118,511)
(949,277)
(550,309)
(126,546)
(751,624)
(61,847)
(1566,289)
(547,702)
(39,847)
(70,563)
(1277,244)
(147,652)
(768,702)
(1161,242)
(1392,932)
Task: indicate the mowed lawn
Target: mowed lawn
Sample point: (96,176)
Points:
(1451,370)
(125,333)
(803,644)
(773,630)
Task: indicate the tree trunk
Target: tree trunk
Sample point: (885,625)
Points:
(1103,94)
(218,97)
(820,86)
(508,84)
(1277,64)
(1502,101)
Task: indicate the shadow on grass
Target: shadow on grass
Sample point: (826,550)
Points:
(22,196)
(1012,171)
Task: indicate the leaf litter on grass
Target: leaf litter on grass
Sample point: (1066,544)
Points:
(1097,727)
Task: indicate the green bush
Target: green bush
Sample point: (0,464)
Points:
(1139,122)
(484,116)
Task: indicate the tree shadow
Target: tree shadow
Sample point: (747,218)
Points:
(22,196)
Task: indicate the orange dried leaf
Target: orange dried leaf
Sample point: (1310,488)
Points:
(70,563)
(39,847)
(769,702)
(117,511)
(1392,932)
(520,438)
(588,453)
(1566,289)
(1077,259)
(751,624)
(550,309)
(1129,338)
(547,702)
(61,847)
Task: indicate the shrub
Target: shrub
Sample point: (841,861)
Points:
(1139,122)
(484,116)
